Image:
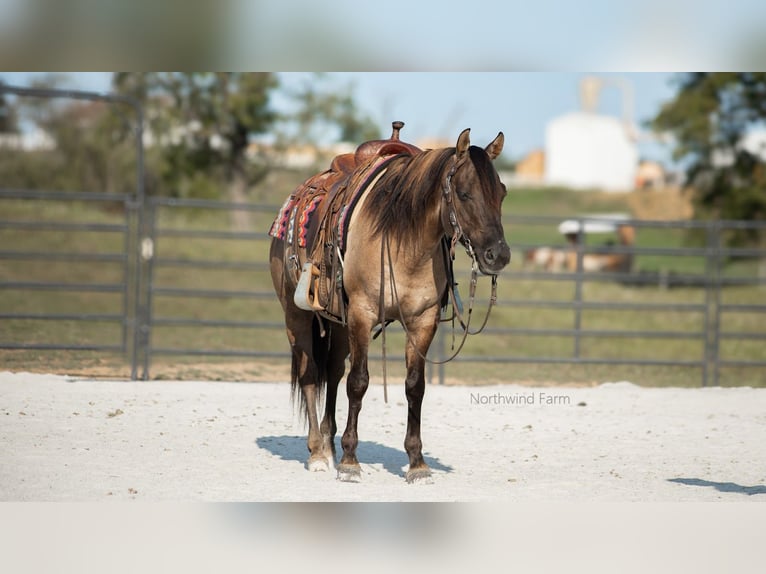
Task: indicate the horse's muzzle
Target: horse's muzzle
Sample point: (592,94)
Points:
(494,258)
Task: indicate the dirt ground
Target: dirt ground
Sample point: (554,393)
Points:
(72,439)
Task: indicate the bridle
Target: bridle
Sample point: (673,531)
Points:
(459,235)
(456,228)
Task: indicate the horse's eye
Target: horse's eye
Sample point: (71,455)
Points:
(464,196)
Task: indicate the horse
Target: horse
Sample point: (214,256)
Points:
(395,265)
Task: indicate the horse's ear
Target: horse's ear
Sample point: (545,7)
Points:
(463,141)
(496,147)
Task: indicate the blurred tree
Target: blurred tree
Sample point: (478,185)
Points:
(8,115)
(67,145)
(197,131)
(324,114)
(201,125)
(82,158)
(709,118)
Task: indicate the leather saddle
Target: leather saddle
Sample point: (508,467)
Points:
(314,219)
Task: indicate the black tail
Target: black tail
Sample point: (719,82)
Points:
(320,351)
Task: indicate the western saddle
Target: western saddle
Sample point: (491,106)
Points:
(314,220)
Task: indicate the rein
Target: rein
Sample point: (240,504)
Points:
(455,307)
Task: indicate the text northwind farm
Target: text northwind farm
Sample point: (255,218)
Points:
(512,399)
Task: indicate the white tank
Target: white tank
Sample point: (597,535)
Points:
(585,150)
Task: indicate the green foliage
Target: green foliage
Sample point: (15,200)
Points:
(708,119)
(79,145)
(325,113)
(199,127)
(197,131)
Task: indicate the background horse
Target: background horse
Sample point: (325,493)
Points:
(395,268)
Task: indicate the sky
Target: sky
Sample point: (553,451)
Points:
(519,104)
(605,35)
(441,104)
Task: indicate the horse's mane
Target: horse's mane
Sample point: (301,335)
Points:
(403,196)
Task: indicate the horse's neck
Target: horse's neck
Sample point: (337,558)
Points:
(429,242)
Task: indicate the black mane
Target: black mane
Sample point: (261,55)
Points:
(402,197)
(485,171)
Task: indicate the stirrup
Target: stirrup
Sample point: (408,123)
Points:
(302,297)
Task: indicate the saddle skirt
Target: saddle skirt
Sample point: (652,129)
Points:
(313,222)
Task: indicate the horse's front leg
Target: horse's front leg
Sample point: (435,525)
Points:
(421,333)
(360,324)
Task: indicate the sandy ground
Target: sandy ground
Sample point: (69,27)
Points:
(89,440)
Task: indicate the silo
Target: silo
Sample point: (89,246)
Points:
(588,150)
(585,150)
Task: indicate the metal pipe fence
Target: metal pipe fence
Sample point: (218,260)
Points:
(121,309)
(159,237)
(130,286)
(698,316)
(711,279)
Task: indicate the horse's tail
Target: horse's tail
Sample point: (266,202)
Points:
(320,350)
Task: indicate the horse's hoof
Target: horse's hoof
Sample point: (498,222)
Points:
(318,465)
(349,473)
(419,476)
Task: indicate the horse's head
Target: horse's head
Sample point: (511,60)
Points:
(474,196)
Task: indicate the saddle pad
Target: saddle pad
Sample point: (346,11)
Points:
(280,225)
(291,219)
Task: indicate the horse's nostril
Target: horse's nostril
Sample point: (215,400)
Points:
(489,254)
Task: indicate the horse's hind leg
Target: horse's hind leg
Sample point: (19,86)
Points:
(336,367)
(307,352)
(318,460)
(421,334)
(306,375)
